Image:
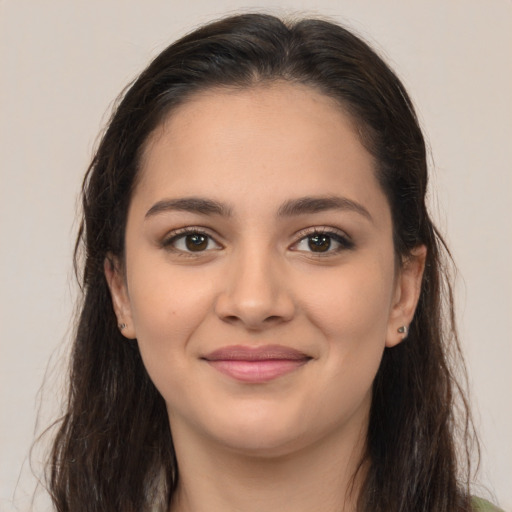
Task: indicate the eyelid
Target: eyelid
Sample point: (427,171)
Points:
(337,234)
(176,234)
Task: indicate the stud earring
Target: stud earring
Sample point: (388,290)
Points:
(402,329)
(122,326)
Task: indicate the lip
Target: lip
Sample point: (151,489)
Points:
(256,364)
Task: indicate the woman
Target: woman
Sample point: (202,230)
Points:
(264,323)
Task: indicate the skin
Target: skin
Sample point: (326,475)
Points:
(291,443)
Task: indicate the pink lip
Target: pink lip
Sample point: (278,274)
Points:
(256,364)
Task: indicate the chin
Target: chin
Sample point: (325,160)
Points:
(263,444)
(278,442)
(258,431)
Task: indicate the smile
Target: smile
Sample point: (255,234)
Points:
(256,364)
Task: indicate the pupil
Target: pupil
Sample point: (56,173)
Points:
(319,243)
(196,242)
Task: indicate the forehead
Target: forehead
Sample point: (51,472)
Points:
(286,138)
(271,108)
(239,104)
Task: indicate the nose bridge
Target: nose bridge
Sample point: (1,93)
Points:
(254,277)
(255,292)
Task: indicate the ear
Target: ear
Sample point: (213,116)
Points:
(115,277)
(407,293)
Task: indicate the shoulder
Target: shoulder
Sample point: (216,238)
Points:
(481,505)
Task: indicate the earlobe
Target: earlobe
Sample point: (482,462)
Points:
(119,294)
(407,293)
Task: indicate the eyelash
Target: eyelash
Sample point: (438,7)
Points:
(344,242)
(181,234)
(340,238)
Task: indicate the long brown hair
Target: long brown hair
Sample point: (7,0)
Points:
(114,449)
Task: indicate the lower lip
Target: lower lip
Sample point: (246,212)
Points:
(257,371)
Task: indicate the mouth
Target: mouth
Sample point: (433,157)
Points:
(256,364)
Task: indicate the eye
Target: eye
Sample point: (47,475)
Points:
(323,242)
(191,241)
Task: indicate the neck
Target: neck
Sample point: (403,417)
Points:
(322,477)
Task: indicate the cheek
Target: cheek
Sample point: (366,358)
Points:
(351,303)
(351,309)
(163,296)
(345,311)
(167,307)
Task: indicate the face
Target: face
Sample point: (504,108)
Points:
(260,278)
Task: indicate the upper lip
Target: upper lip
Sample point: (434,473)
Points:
(260,353)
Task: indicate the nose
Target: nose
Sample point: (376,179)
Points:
(255,293)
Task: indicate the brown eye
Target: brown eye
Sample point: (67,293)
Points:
(319,243)
(328,243)
(190,241)
(196,242)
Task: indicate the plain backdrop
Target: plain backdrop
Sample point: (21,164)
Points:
(63,62)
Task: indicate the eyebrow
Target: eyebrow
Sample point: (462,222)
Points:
(293,207)
(190,204)
(305,205)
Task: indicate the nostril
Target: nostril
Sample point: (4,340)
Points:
(272,318)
